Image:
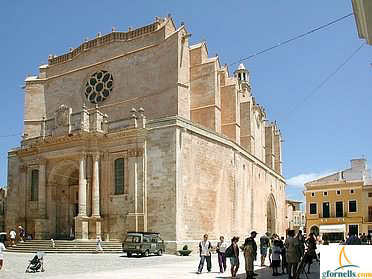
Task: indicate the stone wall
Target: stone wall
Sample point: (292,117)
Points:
(138,67)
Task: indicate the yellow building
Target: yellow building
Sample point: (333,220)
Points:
(340,203)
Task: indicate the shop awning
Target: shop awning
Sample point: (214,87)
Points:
(332,228)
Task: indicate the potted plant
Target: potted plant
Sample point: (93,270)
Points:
(185,251)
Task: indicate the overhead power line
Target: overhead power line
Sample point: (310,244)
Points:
(304,100)
(292,39)
(239,61)
(10,135)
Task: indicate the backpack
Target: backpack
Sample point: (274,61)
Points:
(229,252)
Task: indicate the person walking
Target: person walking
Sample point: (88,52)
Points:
(301,241)
(99,248)
(13,235)
(284,256)
(2,248)
(264,245)
(205,247)
(234,260)
(221,249)
(311,251)
(292,253)
(21,233)
(250,254)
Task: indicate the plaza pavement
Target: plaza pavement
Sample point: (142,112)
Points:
(118,266)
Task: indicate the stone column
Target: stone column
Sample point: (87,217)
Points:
(95,186)
(42,189)
(82,186)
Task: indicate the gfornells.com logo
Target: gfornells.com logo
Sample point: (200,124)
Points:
(348,270)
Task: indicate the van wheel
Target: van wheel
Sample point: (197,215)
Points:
(160,252)
(146,254)
(129,254)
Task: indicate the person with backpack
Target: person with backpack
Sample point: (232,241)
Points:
(205,247)
(250,254)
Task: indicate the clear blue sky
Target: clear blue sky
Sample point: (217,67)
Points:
(322,135)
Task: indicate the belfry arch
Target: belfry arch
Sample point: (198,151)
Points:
(271,214)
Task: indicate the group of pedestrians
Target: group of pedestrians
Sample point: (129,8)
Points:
(13,235)
(284,253)
(353,239)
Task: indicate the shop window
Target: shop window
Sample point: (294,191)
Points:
(353,229)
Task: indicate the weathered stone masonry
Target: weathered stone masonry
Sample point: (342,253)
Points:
(195,156)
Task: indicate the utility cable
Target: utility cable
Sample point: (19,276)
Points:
(292,39)
(307,97)
(236,62)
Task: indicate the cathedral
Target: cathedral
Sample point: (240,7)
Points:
(142,131)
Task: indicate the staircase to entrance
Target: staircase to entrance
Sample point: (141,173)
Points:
(66,246)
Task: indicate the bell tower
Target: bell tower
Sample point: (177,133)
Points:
(242,75)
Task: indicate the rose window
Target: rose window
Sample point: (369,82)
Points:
(99,86)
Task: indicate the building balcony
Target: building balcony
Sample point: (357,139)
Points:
(367,219)
(332,219)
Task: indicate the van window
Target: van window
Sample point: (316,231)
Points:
(133,239)
(154,240)
(146,239)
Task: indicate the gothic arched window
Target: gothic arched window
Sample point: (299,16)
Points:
(119,176)
(34,185)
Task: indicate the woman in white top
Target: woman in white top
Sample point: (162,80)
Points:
(221,249)
(98,245)
(2,248)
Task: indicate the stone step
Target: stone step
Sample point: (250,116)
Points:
(65,246)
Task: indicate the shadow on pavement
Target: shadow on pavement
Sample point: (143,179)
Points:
(266,272)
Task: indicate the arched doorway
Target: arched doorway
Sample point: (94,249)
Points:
(314,230)
(271,214)
(64,178)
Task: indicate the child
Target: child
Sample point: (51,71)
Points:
(276,257)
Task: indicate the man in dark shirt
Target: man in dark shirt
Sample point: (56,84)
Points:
(353,240)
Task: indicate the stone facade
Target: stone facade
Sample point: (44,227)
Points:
(295,216)
(2,209)
(195,157)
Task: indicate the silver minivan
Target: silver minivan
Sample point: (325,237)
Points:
(143,243)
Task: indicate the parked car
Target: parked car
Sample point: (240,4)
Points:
(143,243)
